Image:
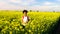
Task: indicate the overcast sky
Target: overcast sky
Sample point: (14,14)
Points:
(30,5)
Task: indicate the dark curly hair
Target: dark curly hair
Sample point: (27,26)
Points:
(25,11)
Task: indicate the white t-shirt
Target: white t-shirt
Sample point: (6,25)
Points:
(25,19)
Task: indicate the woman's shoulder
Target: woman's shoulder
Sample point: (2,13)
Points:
(27,16)
(22,16)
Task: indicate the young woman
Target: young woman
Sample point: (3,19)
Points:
(25,18)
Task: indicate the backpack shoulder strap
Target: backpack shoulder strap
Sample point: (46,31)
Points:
(28,18)
(23,17)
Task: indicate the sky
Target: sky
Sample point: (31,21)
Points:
(44,5)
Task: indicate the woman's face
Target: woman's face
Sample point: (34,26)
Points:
(25,14)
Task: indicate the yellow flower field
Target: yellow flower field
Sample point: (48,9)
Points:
(40,22)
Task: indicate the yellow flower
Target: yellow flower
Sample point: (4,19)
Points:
(10,32)
(29,30)
(21,27)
